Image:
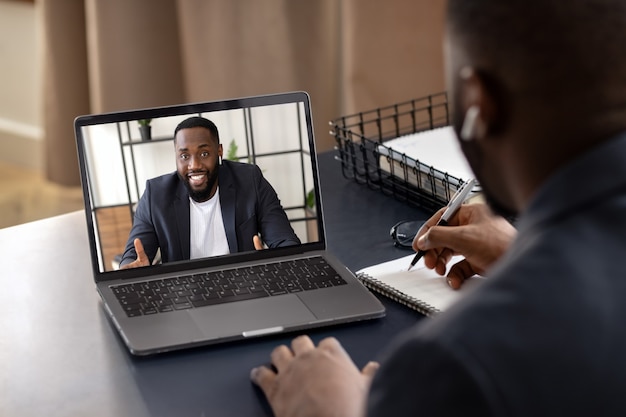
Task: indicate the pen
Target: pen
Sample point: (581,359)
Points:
(453,206)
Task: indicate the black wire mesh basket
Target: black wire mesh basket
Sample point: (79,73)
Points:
(361,142)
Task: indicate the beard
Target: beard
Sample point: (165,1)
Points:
(205,193)
(497,208)
(476,159)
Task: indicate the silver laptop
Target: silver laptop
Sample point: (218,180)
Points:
(176,302)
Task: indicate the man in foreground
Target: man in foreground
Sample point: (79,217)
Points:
(538,92)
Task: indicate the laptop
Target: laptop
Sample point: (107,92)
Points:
(176,303)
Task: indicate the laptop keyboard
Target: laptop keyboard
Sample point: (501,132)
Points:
(199,290)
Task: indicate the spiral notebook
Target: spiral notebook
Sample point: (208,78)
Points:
(421,289)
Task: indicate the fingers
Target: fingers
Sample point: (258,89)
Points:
(142,258)
(442,243)
(438,259)
(282,355)
(432,236)
(369,370)
(425,227)
(439,237)
(264,378)
(302,344)
(459,272)
(332,345)
(305,359)
(258,243)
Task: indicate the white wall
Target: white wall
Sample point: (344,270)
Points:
(20,85)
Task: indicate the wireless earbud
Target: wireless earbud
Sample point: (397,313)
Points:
(220,160)
(472,126)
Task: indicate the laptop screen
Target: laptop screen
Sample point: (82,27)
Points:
(139,183)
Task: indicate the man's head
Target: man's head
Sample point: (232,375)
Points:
(198,156)
(536,83)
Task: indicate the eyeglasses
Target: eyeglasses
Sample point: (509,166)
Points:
(404,232)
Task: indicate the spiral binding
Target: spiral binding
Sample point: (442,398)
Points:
(398,296)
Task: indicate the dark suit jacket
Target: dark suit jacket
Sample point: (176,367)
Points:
(249,206)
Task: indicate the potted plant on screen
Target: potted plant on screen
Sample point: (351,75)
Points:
(145,129)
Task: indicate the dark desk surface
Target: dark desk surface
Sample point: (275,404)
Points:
(60,356)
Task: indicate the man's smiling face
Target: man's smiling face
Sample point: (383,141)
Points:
(197,153)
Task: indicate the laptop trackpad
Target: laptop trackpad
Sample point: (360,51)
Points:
(252,317)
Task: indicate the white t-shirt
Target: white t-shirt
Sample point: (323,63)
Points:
(207,236)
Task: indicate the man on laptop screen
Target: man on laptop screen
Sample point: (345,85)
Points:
(208,207)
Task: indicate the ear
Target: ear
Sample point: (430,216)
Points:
(478,103)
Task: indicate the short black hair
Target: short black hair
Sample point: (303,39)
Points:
(197,121)
(549,47)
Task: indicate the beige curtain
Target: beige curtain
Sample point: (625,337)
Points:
(65,84)
(350,55)
(392,51)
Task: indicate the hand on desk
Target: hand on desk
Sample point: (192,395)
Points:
(314,381)
(142,258)
(474,232)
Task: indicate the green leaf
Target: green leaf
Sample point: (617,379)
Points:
(310,199)
(231,154)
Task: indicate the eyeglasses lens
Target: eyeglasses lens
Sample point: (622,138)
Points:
(404,232)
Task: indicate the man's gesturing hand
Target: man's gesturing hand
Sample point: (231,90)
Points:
(142,258)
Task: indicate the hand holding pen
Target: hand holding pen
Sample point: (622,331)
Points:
(453,206)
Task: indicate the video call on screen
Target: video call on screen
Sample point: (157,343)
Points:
(119,162)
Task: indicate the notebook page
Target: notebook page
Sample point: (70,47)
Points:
(420,283)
